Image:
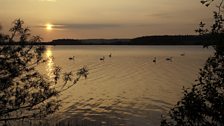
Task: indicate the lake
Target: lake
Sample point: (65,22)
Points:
(128,88)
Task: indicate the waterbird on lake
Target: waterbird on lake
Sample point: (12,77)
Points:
(110,55)
(154,60)
(102,58)
(71,58)
(169,59)
(182,54)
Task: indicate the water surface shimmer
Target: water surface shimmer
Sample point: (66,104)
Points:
(128,89)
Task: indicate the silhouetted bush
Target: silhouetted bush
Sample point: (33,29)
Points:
(27,94)
(203,104)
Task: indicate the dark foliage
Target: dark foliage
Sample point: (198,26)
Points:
(203,104)
(25,93)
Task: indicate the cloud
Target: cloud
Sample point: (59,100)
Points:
(160,15)
(81,26)
(90,26)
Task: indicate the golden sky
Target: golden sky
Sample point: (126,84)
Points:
(105,18)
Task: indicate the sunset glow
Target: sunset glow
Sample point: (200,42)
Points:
(109,19)
(49,27)
(111,62)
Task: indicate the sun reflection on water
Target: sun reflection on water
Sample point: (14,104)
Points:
(50,62)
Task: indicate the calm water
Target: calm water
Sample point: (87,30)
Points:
(127,89)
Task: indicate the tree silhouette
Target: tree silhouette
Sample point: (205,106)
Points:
(26,93)
(203,104)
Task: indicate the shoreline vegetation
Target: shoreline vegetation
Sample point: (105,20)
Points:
(145,40)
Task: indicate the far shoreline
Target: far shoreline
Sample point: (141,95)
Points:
(145,40)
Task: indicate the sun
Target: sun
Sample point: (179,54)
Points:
(49,27)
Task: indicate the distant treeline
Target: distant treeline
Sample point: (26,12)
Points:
(168,40)
(145,40)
